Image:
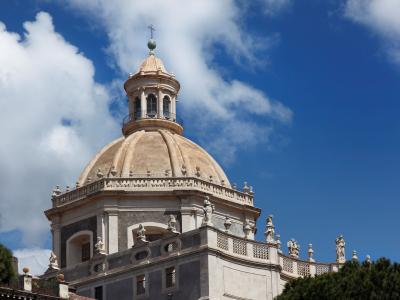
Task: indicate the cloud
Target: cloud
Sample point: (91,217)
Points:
(36,259)
(272,7)
(382,16)
(53,116)
(191,35)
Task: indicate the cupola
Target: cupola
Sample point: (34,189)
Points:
(152,95)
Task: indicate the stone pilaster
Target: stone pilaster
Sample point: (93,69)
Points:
(160,103)
(56,233)
(112,224)
(143,103)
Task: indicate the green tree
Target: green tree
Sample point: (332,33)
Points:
(377,280)
(6,265)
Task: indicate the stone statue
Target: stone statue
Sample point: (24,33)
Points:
(53,265)
(269,230)
(294,248)
(340,249)
(172,223)
(227,224)
(247,229)
(208,209)
(99,246)
(140,233)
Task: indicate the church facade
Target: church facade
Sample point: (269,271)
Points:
(154,216)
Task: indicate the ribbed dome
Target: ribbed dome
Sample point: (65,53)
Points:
(157,153)
(152,64)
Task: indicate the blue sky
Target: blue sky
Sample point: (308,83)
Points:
(324,160)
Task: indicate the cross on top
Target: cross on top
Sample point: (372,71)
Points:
(152,29)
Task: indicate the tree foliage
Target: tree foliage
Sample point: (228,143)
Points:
(377,280)
(6,265)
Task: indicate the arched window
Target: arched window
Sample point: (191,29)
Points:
(79,247)
(167,107)
(151,105)
(138,108)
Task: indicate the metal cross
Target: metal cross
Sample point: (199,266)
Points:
(152,29)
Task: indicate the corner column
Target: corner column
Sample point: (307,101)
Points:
(56,233)
(173,105)
(143,104)
(160,104)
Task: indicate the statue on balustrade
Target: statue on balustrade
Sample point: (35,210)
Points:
(141,234)
(99,246)
(269,230)
(340,249)
(53,265)
(172,224)
(294,248)
(208,210)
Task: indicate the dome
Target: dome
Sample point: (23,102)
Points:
(153,153)
(152,64)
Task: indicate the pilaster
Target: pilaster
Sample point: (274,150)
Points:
(160,103)
(112,232)
(101,228)
(143,103)
(56,233)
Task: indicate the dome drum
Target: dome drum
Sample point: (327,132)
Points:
(136,121)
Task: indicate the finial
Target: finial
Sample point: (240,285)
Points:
(151,44)
(368,259)
(279,243)
(354,256)
(99,173)
(56,191)
(310,253)
(113,171)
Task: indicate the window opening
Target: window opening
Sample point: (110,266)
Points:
(140,284)
(151,105)
(170,277)
(98,293)
(85,251)
(138,108)
(166,107)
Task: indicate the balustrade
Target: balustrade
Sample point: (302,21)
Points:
(152,181)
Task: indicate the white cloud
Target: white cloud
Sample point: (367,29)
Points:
(189,36)
(36,259)
(273,7)
(53,116)
(383,17)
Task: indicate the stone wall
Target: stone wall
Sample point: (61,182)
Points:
(236,228)
(187,284)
